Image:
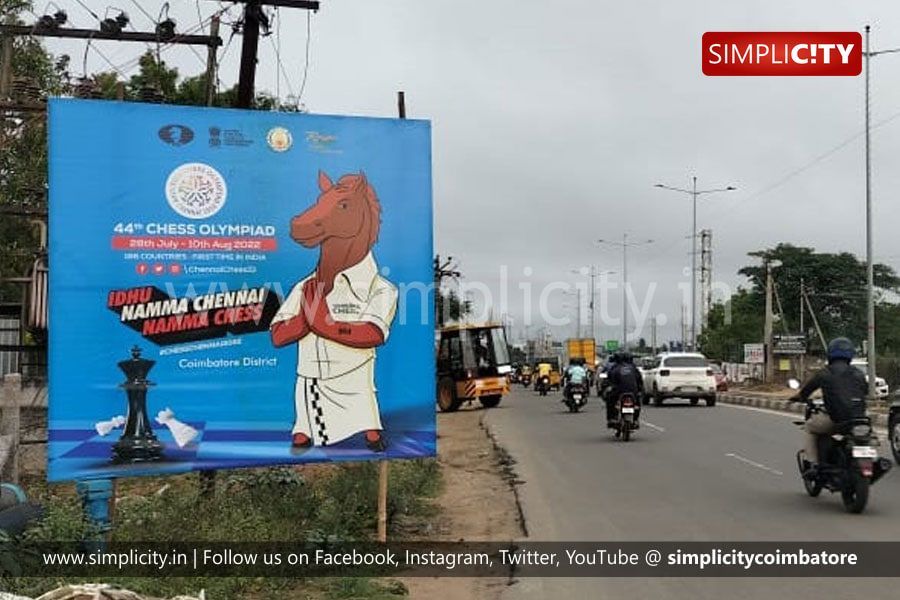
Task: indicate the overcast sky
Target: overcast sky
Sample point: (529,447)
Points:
(553,120)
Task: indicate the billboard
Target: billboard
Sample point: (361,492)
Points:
(754,354)
(789,344)
(236,288)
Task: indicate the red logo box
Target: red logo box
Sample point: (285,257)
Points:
(782,53)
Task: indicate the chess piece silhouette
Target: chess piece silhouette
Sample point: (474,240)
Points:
(138,442)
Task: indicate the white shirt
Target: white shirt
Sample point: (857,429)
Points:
(359,294)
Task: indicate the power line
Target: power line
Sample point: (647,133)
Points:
(131,63)
(87,8)
(281,71)
(146,14)
(306,60)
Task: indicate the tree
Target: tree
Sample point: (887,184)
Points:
(23,161)
(724,337)
(835,284)
(448,307)
(153,73)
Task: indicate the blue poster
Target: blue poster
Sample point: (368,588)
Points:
(236,288)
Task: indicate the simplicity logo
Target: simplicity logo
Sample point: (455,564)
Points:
(784,53)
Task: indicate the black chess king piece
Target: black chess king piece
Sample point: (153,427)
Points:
(138,443)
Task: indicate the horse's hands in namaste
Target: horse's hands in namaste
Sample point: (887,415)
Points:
(318,315)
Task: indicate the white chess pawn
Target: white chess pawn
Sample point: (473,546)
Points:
(104,427)
(182,432)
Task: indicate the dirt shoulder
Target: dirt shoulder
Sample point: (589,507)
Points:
(476,503)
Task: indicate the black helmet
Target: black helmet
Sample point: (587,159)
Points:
(841,348)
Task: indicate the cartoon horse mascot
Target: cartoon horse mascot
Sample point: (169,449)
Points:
(337,316)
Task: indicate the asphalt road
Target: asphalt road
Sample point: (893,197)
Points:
(724,473)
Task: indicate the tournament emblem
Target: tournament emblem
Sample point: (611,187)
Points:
(196,190)
(279,139)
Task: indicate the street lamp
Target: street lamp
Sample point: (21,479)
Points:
(870,244)
(694,192)
(593,272)
(624,244)
(577,306)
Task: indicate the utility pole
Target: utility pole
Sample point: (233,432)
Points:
(254,18)
(653,335)
(443,269)
(6,50)
(815,321)
(770,363)
(694,193)
(211,62)
(767,334)
(801,367)
(592,272)
(705,276)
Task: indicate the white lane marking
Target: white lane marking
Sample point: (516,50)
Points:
(753,463)
(768,411)
(652,426)
(795,416)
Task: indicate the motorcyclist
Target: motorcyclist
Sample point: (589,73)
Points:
(575,374)
(623,378)
(844,389)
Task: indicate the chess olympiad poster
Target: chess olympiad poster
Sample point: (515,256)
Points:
(236,288)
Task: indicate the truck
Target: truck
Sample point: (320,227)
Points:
(584,348)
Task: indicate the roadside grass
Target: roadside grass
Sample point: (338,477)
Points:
(281,504)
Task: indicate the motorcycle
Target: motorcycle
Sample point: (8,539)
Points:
(542,385)
(848,459)
(525,379)
(575,397)
(627,411)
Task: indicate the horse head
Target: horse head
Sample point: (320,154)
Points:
(346,210)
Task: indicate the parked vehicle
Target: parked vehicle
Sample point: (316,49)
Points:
(882,390)
(472,364)
(681,375)
(628,416)
(575,396)
(894,427)
(848,459)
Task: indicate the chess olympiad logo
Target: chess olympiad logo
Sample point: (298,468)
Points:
(176,135)
(279,139)
(196,190)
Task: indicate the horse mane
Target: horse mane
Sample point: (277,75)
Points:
(354,184)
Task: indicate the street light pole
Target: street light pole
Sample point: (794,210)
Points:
(694,269)
(870,266)
(624,244)
(624,291)
(870,244)
(592,272)
(694,193)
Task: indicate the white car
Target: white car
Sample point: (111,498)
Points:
(681,375)
(882,390)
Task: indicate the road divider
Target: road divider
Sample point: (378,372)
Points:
(782,405)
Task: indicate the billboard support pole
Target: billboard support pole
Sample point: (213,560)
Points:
(384,466)
(97,497)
